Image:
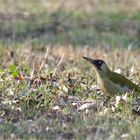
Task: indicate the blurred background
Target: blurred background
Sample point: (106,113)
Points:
(111,23)
(47,90)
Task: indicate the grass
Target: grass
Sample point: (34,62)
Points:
(74,25)
(60,99)
(41,106)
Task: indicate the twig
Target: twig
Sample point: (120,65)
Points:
(43,62)
(58,64)
(33,70)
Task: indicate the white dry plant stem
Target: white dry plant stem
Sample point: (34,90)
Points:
(43,62)
(58,64)
(32,72)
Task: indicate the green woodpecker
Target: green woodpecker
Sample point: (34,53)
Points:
(110,82)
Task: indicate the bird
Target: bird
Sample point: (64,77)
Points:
(111,82)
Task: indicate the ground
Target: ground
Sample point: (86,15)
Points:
(47,90)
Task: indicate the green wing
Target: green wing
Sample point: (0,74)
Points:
(122,81)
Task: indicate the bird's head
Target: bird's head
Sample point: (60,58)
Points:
(99,65)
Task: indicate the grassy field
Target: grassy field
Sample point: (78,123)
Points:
(47,90)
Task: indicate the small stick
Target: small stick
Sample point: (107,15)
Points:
(58,64)
(33,70)
(43,62)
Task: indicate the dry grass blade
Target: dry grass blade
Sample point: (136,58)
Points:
(58,64)
(43,62)
(33,69)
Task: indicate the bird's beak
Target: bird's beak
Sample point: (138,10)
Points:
(89,60)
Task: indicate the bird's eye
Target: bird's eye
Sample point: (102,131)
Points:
(100,62)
